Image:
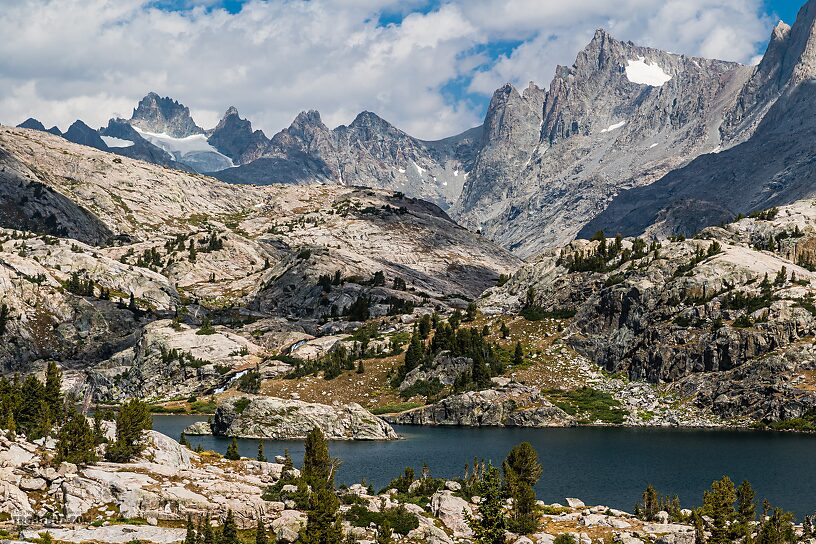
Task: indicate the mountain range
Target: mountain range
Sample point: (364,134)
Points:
(628,139)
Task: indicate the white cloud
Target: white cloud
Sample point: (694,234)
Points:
(89,59)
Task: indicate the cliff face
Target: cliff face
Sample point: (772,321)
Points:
(724,317)
(621,116)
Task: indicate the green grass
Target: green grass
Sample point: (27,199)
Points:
(203,407)
(423,388)
(588,405)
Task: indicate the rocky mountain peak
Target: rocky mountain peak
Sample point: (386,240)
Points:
(234,137)
(32,124)
(164,115)
(80,133)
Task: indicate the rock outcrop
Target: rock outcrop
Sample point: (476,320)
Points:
(723,317)
(513,405)
(268,417)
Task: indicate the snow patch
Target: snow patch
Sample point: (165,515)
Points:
(179,147)
(616,126)
(110,141)
(419,168)
(456,173)
(402,170)
(653,145)
(645,73)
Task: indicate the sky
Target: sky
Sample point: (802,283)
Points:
(427,66)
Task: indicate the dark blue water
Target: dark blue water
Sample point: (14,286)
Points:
(607,466)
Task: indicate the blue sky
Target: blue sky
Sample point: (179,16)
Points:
(428,66)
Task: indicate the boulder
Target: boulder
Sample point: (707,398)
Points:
(254,416)
(451,512)
(287,526)
(575,503)
(199,428)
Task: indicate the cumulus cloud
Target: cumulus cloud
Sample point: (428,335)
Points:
(66,59)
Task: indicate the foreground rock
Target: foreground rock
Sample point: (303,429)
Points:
(268,417)
(511,405)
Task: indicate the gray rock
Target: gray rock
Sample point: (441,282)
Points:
(255,416)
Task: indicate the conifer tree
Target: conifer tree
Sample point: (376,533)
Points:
(518,355)
(232,451)
(32,409)
(505,330)
(261,457)
(323,525)
(229,530)
(521,472)
(76,442)
(260,532)
(53,392)
(191,537)
(384,534)
(131,422)
(207,533)
(317,464)
(718,504)
(489,524)
(184,442)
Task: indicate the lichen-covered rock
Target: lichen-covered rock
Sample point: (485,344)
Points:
(254,416)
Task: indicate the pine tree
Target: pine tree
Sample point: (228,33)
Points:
(260,533)
(207,533)
(131,422)
(287,460)
(385,535)
(317,464)
(777,529)
(746,508)
(232,451)
(76,442)
(518,355)
(470,312)
(184,442)
(521,472)
(53,392)
(505,330)
(415,353)
(229,530)
(190,537)
(323,525)
(261,457)
(489,525)
(718,503)
(650,506)
(32,409)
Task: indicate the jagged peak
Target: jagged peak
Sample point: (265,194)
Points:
(780,31)
(232,110)
(308,117)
